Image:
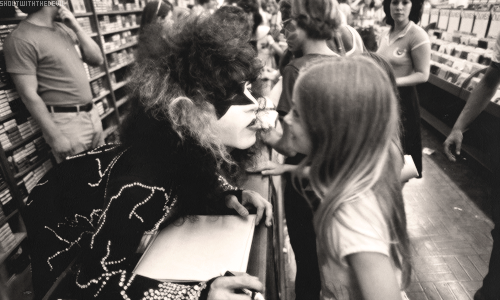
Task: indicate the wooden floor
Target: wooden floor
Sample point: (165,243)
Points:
(448,223)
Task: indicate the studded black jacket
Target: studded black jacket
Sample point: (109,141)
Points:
(96,207)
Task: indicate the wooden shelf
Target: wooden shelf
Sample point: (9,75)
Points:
(111,70)
(110,110)
(120,30)
(121,101)
(97,76)
(4,118)
(101,96)
(109,130)
(8,217)
(119,85)
(128,45)
(444,85)
(492,108)
(20,236)
(87,14)
(118,12)
(27,139)
(38,163)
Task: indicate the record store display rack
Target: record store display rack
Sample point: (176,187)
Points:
(462,42)
(24,155)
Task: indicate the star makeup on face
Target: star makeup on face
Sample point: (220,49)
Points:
(238,125)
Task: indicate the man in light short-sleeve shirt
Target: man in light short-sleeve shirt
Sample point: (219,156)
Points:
(44,60)
(477,102)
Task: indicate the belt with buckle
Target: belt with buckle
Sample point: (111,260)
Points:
(68,109)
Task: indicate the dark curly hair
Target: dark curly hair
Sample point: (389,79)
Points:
(319,18)
(251,7)
(178,78)
(415,12)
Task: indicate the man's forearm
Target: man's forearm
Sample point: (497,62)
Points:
(91,51)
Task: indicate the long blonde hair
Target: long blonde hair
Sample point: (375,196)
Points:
(350,113)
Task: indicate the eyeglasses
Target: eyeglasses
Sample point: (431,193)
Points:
(288,25)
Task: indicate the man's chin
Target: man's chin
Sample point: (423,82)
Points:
(245,144)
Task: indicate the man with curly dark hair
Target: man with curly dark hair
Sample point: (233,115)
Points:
(192,118)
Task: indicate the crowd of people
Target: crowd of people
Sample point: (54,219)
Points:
(203,79)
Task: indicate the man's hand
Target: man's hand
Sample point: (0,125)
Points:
(256,200)
(69,19)
(272,168)
(62,147)
(455,138)
(223,288)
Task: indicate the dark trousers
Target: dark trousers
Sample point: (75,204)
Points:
(410,121)
(299,220)
(491,283)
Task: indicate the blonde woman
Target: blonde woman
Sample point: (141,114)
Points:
(347,127)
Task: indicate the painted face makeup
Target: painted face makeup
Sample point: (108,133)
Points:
(237,125)
(221,107)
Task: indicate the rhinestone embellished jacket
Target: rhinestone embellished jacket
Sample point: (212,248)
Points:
(96,207)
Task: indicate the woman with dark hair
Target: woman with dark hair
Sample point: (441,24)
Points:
(157,12)
(407,47)
(192,123)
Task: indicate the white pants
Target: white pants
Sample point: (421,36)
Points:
(83,129)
